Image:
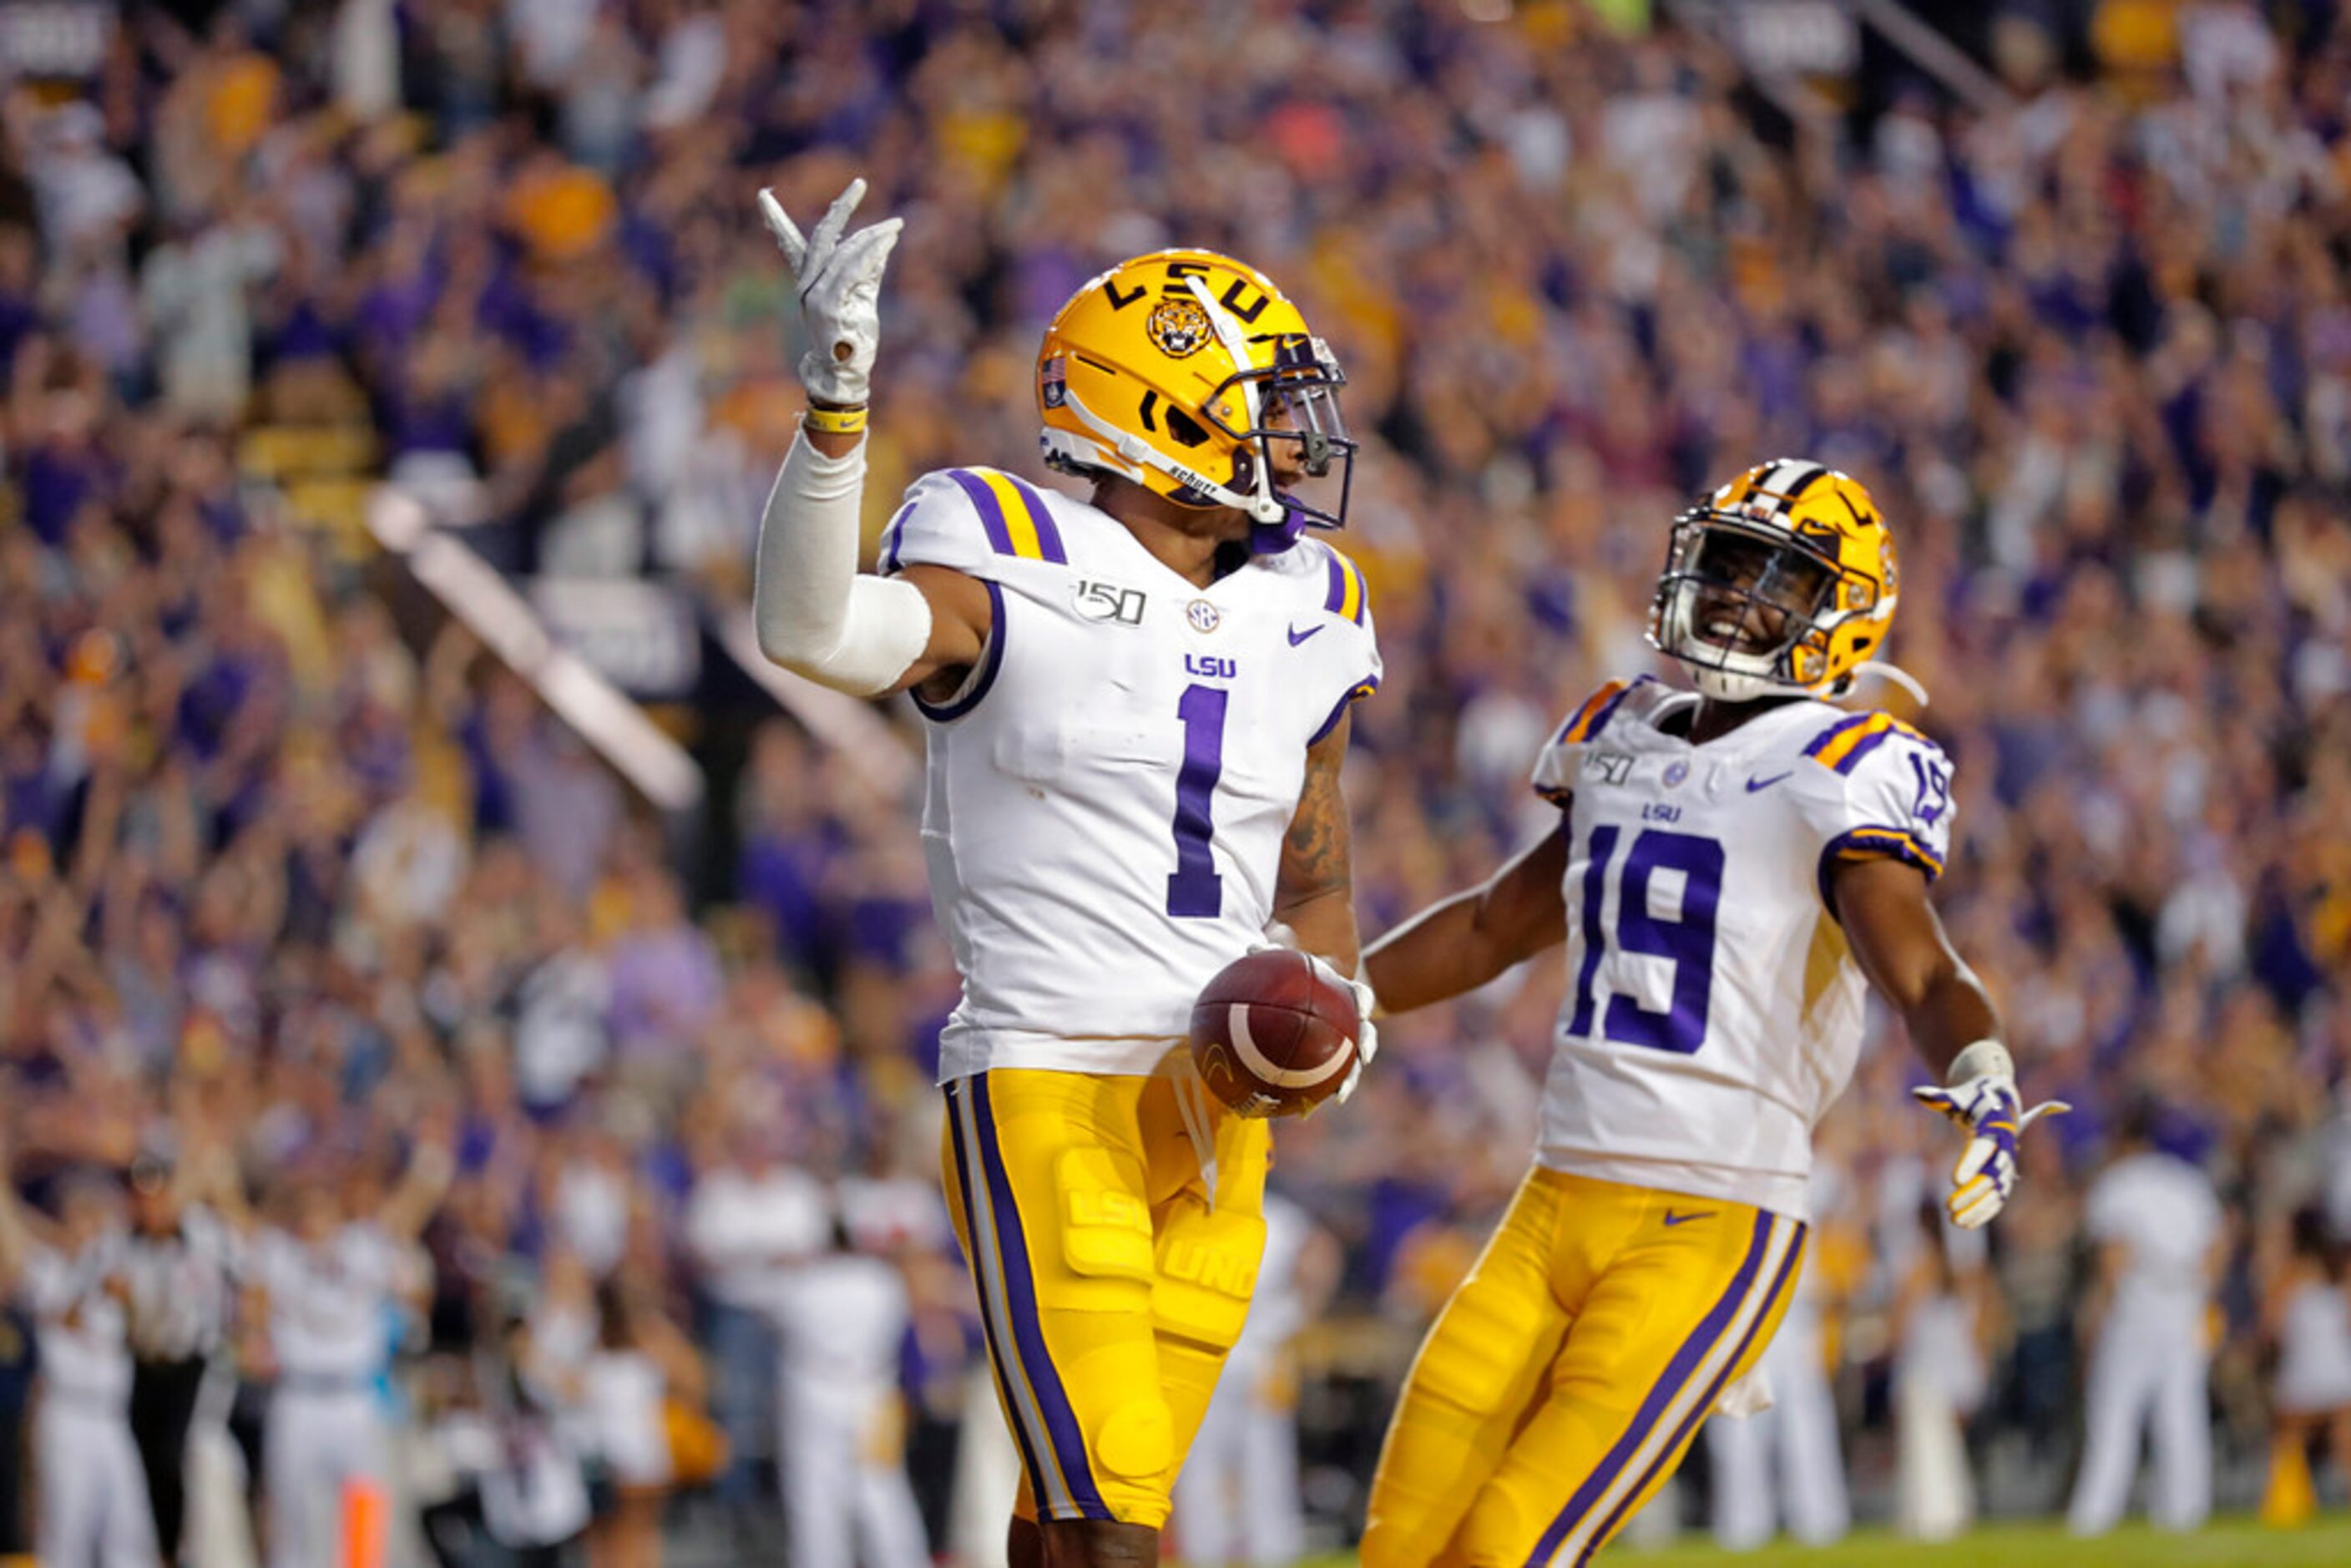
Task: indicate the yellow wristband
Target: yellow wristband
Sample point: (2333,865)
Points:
(835,421)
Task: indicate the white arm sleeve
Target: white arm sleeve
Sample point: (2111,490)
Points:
(816,615)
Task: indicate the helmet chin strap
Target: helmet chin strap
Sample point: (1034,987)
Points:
(1263,506)
(1726,687)
(1747,686)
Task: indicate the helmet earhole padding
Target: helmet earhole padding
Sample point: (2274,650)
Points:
(1186,430)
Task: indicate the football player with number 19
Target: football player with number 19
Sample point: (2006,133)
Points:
(1137,707)
(1729,867)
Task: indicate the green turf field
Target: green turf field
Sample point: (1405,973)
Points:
(2235,1542)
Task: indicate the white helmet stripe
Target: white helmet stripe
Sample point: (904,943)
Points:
(1236,342)
(1787,477)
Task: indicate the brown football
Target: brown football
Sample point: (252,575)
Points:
(1270,1036)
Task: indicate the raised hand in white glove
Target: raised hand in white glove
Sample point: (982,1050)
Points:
(840,285)
(1367,1038)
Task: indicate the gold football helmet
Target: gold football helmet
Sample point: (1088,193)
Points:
(1782,580)
(1178,370)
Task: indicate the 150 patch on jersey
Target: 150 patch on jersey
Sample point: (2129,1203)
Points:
(1109,601)
(1614,767)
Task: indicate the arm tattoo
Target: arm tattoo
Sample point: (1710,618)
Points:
(1315,851)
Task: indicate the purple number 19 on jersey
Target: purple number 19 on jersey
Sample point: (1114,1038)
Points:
(1196,890)
(1687,938)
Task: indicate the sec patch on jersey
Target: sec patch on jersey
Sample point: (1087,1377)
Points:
(1271,1037)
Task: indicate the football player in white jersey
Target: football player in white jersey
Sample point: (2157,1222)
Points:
(1729,867)
(1138,707)
(69,1275)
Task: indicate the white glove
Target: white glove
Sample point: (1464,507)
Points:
(839,284)
(1984,1103)
(1367,1038)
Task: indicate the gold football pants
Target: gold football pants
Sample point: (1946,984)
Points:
(1564,1381)
(1114,1267)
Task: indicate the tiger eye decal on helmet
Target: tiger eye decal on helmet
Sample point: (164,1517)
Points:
(1784,579)
(1191,374)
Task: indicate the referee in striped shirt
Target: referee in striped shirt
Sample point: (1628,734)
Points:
(180,1265)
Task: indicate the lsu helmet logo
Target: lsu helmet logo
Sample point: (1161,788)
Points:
(1180,326)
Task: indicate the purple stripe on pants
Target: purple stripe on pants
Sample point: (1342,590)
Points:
(1677,1373)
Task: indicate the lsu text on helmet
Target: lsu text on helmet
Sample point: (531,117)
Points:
(1179,371)
(1782,580)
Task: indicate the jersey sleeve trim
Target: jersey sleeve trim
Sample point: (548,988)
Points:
(893,540)
(1018,522)
(1872,843)
(1345,595)
(1588,721)
(1355,693)
(983,675)
(1841,746)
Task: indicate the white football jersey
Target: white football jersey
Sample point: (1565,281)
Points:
(2163,1212)
(80,1322)
(1107,793)
(328,1301)
(1713,1009)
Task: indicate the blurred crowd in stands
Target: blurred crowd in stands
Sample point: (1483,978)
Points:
(302,888)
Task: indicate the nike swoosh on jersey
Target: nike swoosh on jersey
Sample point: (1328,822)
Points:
(1754,784)
(1673,1220)
(1296,636)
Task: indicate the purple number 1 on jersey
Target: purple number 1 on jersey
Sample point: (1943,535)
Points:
(1686,939)
(1196,891)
